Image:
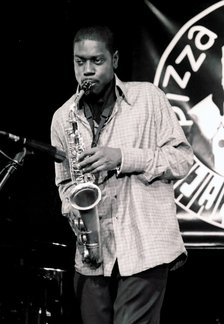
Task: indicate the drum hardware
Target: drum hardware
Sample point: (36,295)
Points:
(44,304)
(13,165)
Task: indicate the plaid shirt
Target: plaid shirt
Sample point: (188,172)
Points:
(137,210)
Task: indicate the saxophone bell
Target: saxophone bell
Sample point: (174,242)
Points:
(84,197)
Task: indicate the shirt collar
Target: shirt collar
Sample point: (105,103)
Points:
(120,90)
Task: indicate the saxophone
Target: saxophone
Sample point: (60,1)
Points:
(85,195)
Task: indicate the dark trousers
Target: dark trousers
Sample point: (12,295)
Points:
(134,299)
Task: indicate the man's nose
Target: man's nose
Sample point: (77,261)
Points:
(89,68)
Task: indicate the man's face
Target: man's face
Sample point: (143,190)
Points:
(93,61)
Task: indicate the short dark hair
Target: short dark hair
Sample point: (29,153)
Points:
(99,33)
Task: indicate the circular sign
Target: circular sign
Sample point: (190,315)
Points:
(191,73)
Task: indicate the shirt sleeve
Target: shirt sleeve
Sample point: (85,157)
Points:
(172,156)
(62,170)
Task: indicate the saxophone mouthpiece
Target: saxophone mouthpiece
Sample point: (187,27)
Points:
(87,86)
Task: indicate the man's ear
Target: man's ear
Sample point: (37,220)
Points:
(115,60)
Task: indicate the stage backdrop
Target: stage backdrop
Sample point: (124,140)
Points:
(177,46)
(184,55)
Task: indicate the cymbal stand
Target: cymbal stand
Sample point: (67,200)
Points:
(13,165)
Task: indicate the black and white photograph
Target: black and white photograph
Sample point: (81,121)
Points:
(112,162)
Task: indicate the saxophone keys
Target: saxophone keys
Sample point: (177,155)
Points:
(85,252)
(84,239)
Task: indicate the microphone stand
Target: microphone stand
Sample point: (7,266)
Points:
(17,161)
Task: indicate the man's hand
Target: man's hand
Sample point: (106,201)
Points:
(99,159)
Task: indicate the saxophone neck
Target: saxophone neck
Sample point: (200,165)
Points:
(85,88)
(77,99)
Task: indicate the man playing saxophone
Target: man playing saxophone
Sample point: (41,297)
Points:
(133,149)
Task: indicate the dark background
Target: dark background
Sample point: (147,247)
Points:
(37,77)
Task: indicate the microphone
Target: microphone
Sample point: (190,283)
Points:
(58,155)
